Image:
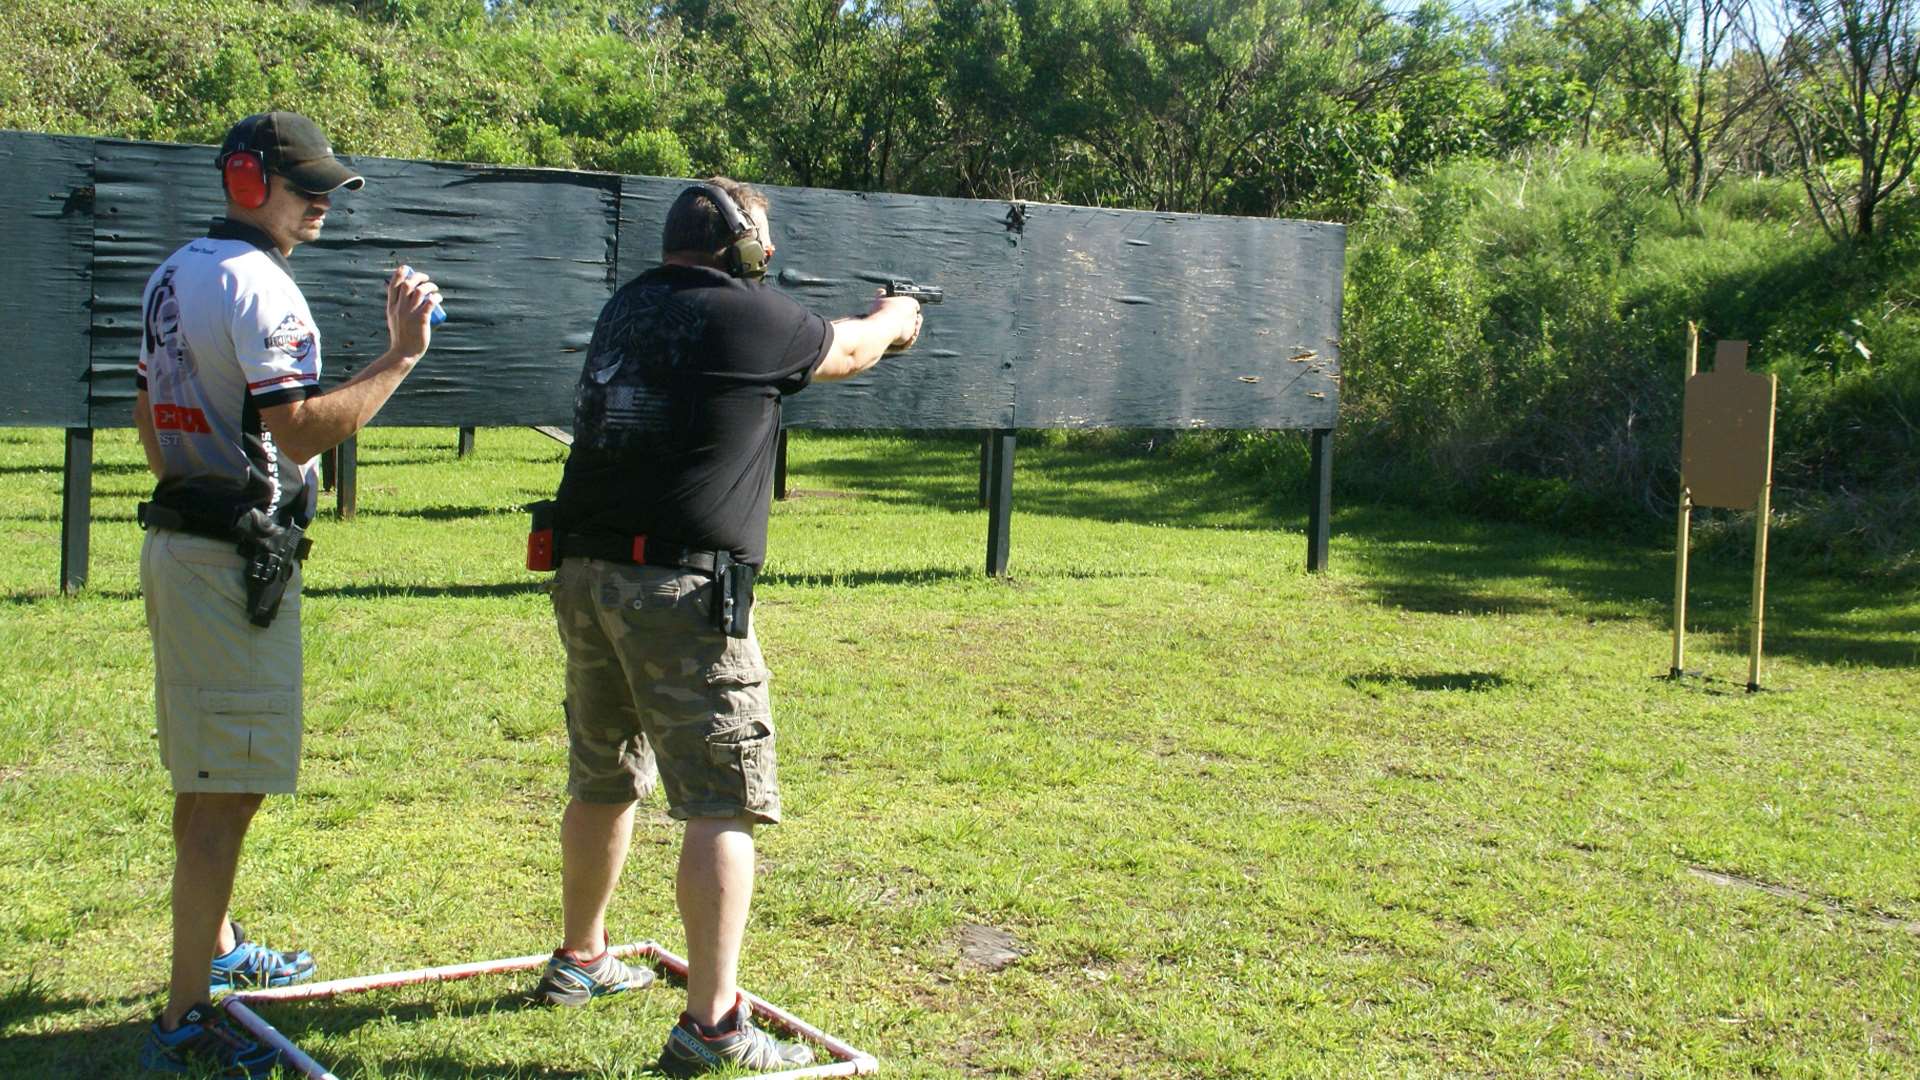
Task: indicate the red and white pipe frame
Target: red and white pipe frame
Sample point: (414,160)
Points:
(848,1061)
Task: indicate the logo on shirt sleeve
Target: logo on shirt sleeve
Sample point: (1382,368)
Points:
(294,338)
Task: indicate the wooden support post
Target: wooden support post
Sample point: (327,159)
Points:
(347,479)
(1759,581)
(76,510)
(1679,667)
(1000,501)
(1761,515)
(780,467)
(329,468)
(1320,509)
(986,456)
(464,447)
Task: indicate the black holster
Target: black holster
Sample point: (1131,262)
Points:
(272,550)
(733,598)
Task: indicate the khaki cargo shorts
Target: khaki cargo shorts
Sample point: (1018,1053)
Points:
(226,693)
(650,679)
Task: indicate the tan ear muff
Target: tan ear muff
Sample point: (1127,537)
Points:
(747,257)
(746,254)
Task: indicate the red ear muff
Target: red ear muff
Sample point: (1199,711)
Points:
(245,175)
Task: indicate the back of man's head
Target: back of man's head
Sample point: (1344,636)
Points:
(696,226)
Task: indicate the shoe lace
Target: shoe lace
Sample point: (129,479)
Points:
(762,1050)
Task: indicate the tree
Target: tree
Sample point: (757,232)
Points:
(1843,80)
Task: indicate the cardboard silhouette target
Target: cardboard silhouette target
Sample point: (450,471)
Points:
(1726,460)
(1726,435)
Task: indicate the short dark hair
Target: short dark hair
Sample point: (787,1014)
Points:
(695,224)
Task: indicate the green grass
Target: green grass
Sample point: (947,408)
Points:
(1432,813)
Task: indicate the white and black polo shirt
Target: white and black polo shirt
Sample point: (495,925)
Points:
(227,334)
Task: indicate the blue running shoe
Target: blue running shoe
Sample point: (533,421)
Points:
(251,966)
(573,982)
(205,1043)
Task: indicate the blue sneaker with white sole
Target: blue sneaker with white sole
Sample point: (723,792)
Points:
(207,1044)
(253,966)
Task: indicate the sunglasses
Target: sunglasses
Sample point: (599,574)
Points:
(300,192)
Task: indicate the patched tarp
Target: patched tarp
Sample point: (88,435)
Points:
(46,210)
(1055,316)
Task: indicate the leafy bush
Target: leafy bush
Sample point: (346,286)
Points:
(1513,344)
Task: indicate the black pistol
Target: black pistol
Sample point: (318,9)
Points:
(926,294)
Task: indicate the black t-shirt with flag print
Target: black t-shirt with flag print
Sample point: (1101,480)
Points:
(677,414)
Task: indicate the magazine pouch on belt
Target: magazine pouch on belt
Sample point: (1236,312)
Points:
(733,597)
(540,549)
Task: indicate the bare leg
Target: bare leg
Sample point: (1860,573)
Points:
(183,803)
(715,890)
(208,832)
(593,849)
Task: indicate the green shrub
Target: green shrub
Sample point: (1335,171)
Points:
(1513,344)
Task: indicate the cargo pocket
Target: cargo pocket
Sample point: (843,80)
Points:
(247,735)
(742,764)
(738,685)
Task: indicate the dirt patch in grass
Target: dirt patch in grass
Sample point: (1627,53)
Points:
(989,947)
(1788,892)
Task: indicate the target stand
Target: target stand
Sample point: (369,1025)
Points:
(847,1061)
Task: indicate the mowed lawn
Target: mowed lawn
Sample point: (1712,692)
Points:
(1432,813)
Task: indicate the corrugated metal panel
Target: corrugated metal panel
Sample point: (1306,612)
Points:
(46,278)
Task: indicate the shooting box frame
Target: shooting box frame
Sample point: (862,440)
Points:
(847,1060)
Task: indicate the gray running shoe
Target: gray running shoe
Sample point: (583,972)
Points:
(689,1052)
(570,982)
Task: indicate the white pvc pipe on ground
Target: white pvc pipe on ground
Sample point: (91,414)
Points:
(267,1033)
(849,1061)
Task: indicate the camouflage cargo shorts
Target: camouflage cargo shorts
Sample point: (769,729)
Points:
(650,679)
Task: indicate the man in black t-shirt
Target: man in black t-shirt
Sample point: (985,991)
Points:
(660,522)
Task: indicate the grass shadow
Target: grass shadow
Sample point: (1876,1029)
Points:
(1438,564)
(439,513)
(51,594)
(487,590)
(1092,483)
(56,467)
(108,1051)
(857,578)
(94,1051)
(1468,681)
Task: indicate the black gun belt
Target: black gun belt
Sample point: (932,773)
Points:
(639,550)
(155,516)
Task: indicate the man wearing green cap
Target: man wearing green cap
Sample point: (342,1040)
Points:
(231,416)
